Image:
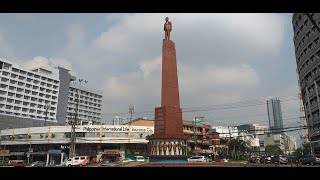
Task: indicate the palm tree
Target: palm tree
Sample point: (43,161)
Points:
(238,145)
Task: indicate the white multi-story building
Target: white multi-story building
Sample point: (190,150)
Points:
(226,132)
(254,129)
(43,96)
(89,104)
(26,93)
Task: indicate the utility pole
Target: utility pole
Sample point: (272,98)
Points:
(46,107)
(74,122)
(131,111)
(229,141)
(195,131)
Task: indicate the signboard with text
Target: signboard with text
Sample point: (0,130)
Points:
(124,129)
(204,137)
(4,152)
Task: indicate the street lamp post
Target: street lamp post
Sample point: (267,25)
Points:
(310,142)
(195,136)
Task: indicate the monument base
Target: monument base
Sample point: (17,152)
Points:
(168,159)
(167,150)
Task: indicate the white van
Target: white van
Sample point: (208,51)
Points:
(77,161)
(139,159)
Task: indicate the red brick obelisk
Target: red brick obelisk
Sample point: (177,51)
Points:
(168,143)
(168,117)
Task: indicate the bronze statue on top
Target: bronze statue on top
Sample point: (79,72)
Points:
(167,29)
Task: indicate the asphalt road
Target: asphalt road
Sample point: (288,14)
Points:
(139,164)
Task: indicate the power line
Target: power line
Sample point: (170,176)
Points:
(217,106)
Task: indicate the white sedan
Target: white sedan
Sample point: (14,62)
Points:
(127,160)
(197,159)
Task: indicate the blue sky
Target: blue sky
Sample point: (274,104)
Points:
(222,58)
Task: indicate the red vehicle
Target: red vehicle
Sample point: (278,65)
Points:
(17,163)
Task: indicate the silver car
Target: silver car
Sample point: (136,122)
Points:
(197,159)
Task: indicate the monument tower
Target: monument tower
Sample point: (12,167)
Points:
(168,144)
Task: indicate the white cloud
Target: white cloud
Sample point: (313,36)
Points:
(6,50)
(147,67)
(40,61)
(227,37)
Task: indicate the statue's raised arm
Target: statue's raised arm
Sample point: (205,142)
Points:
(167,29)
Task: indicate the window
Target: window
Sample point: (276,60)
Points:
(15,70)
(314,29)
(312,58)
(19,89)
(310,46)
(308,34)
(18,95)
(5,73)
(301,27)
(20,83)
(22,77)
(6,66)
(316,41)
(10,100)
(306,22)
(14,75)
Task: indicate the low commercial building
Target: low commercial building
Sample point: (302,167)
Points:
(51,143)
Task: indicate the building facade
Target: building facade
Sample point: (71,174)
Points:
(307,51)
(85,102)
(254,129)
(98,141)
(272,139)
(44,96)
(275,115)
(27,96)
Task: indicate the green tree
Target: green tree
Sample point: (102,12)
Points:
(223,152)
(272,150)
(299,152)
(238,146)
